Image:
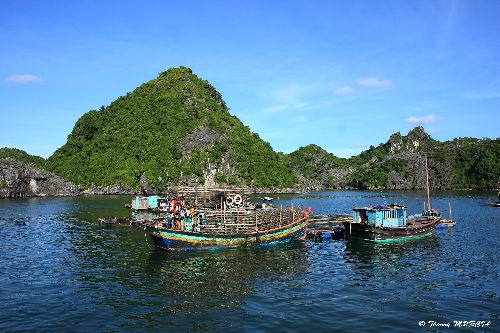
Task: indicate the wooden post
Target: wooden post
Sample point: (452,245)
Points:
(281,215)
(449,204)
(428,190)
(256,222)
(196,195)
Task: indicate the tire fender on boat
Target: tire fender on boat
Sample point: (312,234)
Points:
(229,201)
(238,199)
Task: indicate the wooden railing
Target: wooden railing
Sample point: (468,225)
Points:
(245,221)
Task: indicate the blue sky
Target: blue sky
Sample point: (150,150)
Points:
(340,74)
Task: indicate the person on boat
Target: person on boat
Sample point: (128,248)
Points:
(194,217)
(170,218)
(176,223)
(498,191)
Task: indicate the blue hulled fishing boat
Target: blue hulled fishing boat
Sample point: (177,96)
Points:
(386,223)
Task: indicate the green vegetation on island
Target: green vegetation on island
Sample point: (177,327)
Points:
(22,156)
(173,129)
(177,129)
(463,163)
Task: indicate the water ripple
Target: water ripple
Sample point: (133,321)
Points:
(61,270)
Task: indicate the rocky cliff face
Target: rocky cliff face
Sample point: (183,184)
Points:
(399,164)
(19,179)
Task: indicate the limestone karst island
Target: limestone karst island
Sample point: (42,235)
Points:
(250,166)
(177,129)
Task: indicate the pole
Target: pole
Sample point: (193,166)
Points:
(256,222)
(449,204)
(281,215)
(428,191)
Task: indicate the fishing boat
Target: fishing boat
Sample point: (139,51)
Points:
(233,228)
(497,203)
(387,223)
(149,203)
(231,223)
(445,223)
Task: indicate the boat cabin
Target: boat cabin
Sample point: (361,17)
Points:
(433,213)
(391,216)
(152,202)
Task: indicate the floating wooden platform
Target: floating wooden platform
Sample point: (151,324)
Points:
(327,226)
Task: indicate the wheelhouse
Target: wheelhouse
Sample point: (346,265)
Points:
(381,216)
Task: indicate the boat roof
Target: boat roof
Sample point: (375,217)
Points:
(151,196)
(381,207)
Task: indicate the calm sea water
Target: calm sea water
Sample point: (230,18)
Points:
(60,270)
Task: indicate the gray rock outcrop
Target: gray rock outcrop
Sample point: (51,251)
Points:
(19,179)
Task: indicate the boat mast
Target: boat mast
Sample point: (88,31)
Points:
(451,219)
(428,191)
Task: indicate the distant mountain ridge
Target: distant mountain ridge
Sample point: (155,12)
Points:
(399,163)
(177,129)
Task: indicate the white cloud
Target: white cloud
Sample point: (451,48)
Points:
(301,119)
(375,83)
(287,97)
(482,96)
(284,107)
(344,91)
(276,108)
(23,79)
(290,93)
(430,118)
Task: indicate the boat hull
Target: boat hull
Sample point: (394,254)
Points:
(183,240)
(384,234)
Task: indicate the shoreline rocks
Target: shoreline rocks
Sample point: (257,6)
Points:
(19,179)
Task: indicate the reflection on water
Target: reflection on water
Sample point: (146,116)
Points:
(385,253)
(62,270)
(375,265)
(147,287)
